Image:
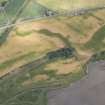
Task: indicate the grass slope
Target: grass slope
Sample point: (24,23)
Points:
(69,5)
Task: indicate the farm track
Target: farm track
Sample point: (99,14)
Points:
(8,29)
(73,13)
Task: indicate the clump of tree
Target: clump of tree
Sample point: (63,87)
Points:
(60,53)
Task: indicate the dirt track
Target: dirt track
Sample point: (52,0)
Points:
(88,91)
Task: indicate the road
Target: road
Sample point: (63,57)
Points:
(88,91)
(73,13)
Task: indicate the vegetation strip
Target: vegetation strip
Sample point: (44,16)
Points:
(94,42)
(12,61)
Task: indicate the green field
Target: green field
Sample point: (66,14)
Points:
(28,97)
(11,10)
(69,5)
(96,41)
(33,10)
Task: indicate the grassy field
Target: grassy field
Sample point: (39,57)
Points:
(23,49)
(3,18)
(69,5)
(82,33)
(96,41)
(32,10)
(11,11)
(13,8)
(35,96)
(24,9)
(32,40)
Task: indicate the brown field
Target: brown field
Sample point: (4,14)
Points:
(79,30)
(27,38)
(36,79)
(41,77)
